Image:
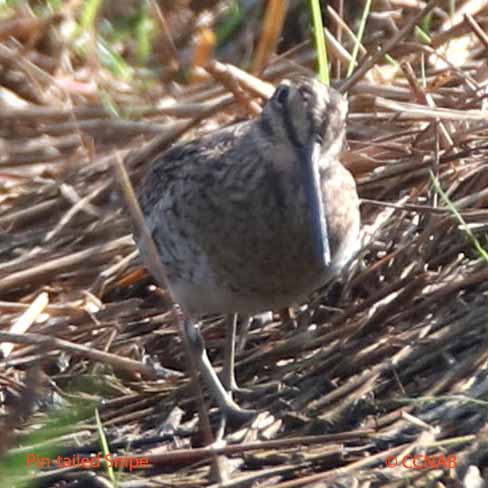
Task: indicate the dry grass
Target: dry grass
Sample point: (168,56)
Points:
(394,362)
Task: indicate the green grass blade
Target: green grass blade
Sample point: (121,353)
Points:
(422,35)
(359,36)
(113,60)
(105,449)
(318,28)
(233,21)
(89,14)
(144,33)
(481,251)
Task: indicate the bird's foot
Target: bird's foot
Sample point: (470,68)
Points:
(234,419)
(233,415)
(236,415)
(255,390)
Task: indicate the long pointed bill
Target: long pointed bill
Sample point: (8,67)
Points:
(310,156)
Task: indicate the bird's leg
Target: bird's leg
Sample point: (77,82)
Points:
(228,371)
(228,376)
(229,408)
(243,332)
(246,321)
(287,318)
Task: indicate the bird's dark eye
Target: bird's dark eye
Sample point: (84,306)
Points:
(282,94)
(306,95)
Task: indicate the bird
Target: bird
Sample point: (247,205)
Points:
(254,216)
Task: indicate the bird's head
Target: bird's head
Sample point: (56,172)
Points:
(307,113)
